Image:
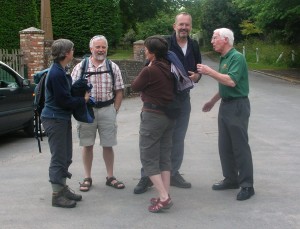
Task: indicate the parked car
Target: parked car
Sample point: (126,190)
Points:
(16,102)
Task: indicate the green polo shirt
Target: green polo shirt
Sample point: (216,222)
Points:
(234,64)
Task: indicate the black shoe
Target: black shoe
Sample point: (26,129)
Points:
(70,194)
(245,193)
(223,185)
(178,181)
(143,185)
(58,200)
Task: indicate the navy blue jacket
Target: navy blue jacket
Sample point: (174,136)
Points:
(59,103)
(193,55)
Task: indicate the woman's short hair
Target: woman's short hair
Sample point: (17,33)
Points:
(98,37)
(224,32)
(157,45)
(60,48)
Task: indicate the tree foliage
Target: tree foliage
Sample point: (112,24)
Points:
(138,11)
(275,17)
(15,16)
(248,28)
(220,13)
(162,24)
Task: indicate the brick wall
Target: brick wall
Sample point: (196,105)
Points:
(132,67)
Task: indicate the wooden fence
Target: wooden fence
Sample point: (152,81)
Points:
(13,58)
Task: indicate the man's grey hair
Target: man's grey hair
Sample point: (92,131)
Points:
(98,37)
(224,32)
(60,48)
(185,14)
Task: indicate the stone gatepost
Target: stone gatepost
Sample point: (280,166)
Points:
(33,48)
(139,50)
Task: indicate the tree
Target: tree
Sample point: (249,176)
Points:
(162,24)
(220,13)
(248,28)
(277,18)
(137,11)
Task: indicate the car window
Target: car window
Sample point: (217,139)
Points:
(7,79)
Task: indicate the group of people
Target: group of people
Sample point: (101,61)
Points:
(161,139)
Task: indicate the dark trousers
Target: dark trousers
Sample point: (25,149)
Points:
(59,134)
(180,129)
(234,149)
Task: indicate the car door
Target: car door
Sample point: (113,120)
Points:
(16,108)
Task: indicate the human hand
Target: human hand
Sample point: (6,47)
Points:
(207,106)
(194,76)
(203,69)
(87,96)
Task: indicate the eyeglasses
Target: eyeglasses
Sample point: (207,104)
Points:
(216,38)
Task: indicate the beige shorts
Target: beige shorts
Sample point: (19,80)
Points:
(105,122)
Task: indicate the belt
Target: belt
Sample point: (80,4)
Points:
(101,104)
(233,98)
(153,106)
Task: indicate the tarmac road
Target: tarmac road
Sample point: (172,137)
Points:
(25,200)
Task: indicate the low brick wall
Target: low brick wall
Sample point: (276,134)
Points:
(132,68)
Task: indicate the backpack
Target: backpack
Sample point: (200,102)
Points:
(39,103)
(39,94)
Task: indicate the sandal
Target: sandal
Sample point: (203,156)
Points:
(154,200)
(86,184)
(117,184)
(160,205)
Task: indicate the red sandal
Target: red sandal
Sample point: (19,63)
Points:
(160,205)
(154,200)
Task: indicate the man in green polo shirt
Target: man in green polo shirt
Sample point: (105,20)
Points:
(234,113)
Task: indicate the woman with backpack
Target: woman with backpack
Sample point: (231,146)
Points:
(56,119)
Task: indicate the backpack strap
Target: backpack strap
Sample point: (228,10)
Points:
(110,70)
(84,67)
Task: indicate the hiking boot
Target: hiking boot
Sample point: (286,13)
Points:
(70,194)
(58,200)
(245,193)
(143,185)
(178,181)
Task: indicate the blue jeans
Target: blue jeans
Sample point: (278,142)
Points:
(180,128)
(59,134)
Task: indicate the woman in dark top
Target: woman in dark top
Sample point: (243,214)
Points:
(56,119)
(155,82)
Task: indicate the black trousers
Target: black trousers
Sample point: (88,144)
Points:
(234,149)
(59,134)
